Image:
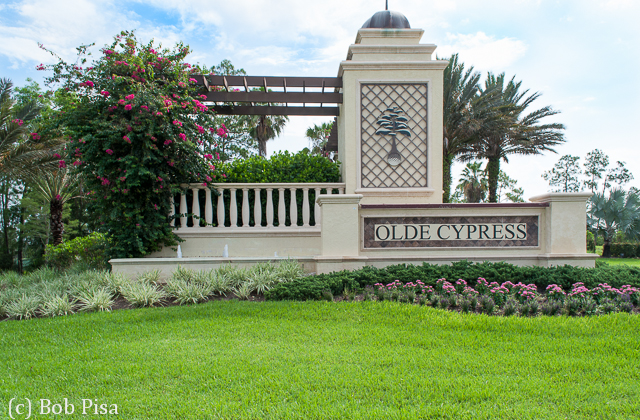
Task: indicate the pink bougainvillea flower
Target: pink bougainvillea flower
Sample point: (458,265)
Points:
(176,122)
(182,136)
(127,107)
(77,163)
(208,156)
(167,142)
(35,136)
(193,80)
(208,178)
(180,84)
(170,163)
(89,83)
(121,101)
(62,164)
(217,156)
(129,97)
(127,139)
(200,129)
(129,128)
(105,93)
(57,156)
(146,108)
(109,151)
(159,114)
(108,52)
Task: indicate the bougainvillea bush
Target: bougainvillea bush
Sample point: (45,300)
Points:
(137,130)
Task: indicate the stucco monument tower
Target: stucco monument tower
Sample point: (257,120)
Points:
(390,125)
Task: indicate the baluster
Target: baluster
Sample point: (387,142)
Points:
(281,209)
(316,208)
(269,207)
(233,208)
(221,214)
(329,191)
(305,207)
(245,207)
(172,212)
(183,210)
(341,190)
(257,209)
(293,208)
(208,207)
(195,208)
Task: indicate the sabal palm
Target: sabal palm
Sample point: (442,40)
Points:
(21,154)
(56,187)
(506,129)
(473,182)
(620,212)
(318,135)
(460,94)
(264,128)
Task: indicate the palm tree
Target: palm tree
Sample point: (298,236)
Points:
(460,93)
(507,130)
(620,212)
(22,153)
(57,188)
(318,135)
(473,182)
(264,128)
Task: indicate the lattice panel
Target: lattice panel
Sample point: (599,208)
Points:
(412,170)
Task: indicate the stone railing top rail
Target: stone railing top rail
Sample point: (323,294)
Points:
(274,185)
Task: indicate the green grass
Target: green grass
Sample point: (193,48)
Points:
(320,360)
(621,261)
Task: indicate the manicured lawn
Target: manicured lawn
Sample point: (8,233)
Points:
(319,360)
(621,261)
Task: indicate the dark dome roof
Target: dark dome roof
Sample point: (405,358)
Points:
(387,19)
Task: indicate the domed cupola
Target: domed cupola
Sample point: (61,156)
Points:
(387,19)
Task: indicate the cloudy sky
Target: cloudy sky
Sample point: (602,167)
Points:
(582,55)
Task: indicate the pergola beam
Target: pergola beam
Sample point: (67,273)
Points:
(275,110)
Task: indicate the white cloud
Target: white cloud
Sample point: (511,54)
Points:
(484,51)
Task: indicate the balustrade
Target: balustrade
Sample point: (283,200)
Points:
(232,207)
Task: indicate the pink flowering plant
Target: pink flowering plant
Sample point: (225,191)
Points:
(136,128)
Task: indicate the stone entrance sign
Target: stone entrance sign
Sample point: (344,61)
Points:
(468,231)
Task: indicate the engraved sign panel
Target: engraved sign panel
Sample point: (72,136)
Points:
(457,231)
(408,165)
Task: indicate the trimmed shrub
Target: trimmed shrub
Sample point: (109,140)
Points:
(91,250)
(625,250)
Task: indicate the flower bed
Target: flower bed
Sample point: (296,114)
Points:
(508,298)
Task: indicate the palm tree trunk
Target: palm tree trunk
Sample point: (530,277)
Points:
(262,147)
(606,249)
(493,170)
(57,227)
(447,161)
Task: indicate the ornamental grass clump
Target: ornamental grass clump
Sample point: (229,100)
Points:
(24,307)
(58,305)
(187,287)
(95,299)
(140,294)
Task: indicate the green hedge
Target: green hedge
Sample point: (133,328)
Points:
(282,167)
(313,287)
(91,250)
(625,250)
